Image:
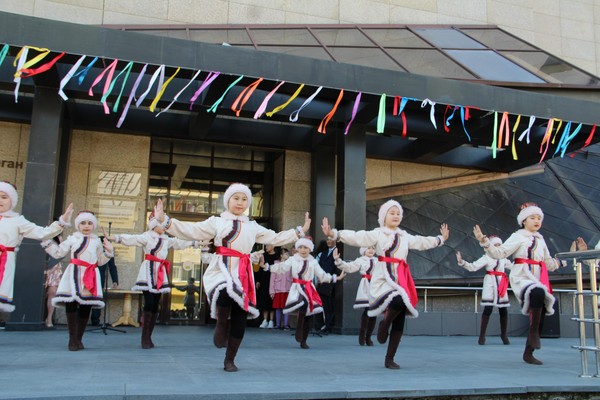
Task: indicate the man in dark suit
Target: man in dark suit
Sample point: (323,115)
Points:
(327,290)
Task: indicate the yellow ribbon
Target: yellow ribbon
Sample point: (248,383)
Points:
(43,53)
(162,90)
(284,105)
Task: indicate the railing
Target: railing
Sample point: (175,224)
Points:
(591,257)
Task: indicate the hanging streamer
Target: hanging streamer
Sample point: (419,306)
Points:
(284,105)
(29,72)
(3,53)
(464,116)
(263,106)
(82,74)
(295,114)
(560,121)
(527,131)
(504,130)
(214,107)
(20,61)
(181,91)
(159,71)
(110,70)
(207,81)
(68,77)
(587,141)
(23,54)
(381,115)
(399,104)
(244,96)
(495,133)
(514,134)
(131,96)
(162,90)
(546,139)
(432,112)
(126,71)
(447,121)
(323,125)
(566,139)
(354,111)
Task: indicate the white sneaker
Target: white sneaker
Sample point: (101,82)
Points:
(264,324)
(270,325)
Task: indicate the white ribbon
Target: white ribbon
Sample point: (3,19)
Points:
(432,112)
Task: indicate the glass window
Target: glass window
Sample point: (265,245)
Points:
(283,37)
(395,37)
(342,37)
(429,62)
(312,52)
(496,39)
(491,66)
(550,68)
(230,36)
(448,39)
(360,56)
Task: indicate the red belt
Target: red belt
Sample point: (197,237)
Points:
(160,277)
(403,278)
(367,276)
(503,286)
(89,276)
(543,271)
(3,255)
(245,273)
(311,293)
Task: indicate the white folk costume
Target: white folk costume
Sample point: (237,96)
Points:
(366,266)
(81,280)
(230,268)
(154,271)
(495,282)
(391,277)
(13,228)
(531,263)
(303,292)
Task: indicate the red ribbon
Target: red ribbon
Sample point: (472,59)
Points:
(28,72)
(89,276)
(3,256)
(368,276)
(543,271)
(160,277)
(403,278)
(503,286)
(311,293)
(244,272)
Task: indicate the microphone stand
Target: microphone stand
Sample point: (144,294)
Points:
(104,326)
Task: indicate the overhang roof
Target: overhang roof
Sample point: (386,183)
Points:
(423,143)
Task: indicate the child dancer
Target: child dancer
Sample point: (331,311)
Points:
(79,289)
(393,291)
(153,277)
(228,280)
(279,288)
(365,264)
(529,274)
(13,228)
(495,285)
(303,295)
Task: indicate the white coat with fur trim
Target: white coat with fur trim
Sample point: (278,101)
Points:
(87,248)
(305,269)
(234,232)
(524,277)
(13,228)
(489,295)
(365,265)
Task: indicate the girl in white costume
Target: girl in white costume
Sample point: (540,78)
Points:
(392,287)
(153,277)
(228,280)
(303,295)
(529,273)
(365,264)
(80,289)
(13,228)
(494,292)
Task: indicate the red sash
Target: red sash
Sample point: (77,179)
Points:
(89,276)
(503,286)
(244,272)
(160,277)
(3,255)
(543,271)
(403,278)
(368,276)
(311,293)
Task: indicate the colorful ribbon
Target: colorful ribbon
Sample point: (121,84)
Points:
(23,55)
(3,256)
(110,70)
(464,116)
(426,102)
(215,105)
(399,104)
(207,81)
(403,278)
(160,276)
(323,125)
(354,111)
(495,135)
(566,138)
(546,139)
(29,72)
(381,114)
(131,96)
(294,115)
(284,105)
(245,273)
(179,93)
(162,90)
(89,276)
(126,71)
(263,106)
(82,74)
(67,78)
(20,61)
(244,95)
(504,131)
(587,141)
(311,293)
(3,53)
(160,71)
(527,131)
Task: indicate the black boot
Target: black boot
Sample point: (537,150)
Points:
(484,323)
(370,328)
(528,355)
(534,328)
(233,344)
(300,326)
(305,331)
(221,331)
(395,337)
(72,325)
(146,330)
(154,318)
(503,328)
(362,333)
(384,326)
(83,318)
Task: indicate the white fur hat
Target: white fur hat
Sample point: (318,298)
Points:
(362,250)
(527,210)
(385,207)
(86,215)
(494,240)
(11,191)
(305,242)
(236,188)
(152,222)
